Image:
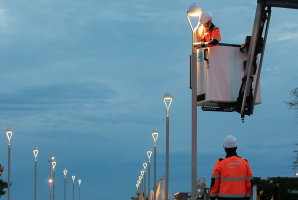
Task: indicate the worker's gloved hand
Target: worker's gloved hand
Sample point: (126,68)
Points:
(201,45)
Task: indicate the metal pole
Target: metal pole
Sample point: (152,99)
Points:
(35,179)
(54,183)
(50,176)
(144,184)
(194,122)
(149,180)
(65,187)
(50,190)
(167,157)
(154,170)
(80,192)
(8,170)
(73,190)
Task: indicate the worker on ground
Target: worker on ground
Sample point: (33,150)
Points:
(207,35)
(231,176)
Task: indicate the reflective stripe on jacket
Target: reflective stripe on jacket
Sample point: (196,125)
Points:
(211,37)
(231,178)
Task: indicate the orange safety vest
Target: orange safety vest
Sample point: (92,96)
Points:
(231,178)
(206,36)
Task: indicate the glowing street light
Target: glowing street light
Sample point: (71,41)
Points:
(50,181)
(149,153)
(65,172)
(144,179)
(73,178)
(168,101)
(35,152)
(53,166)
(79,181)
(145,166)
(155,136)
(194,11)
(9,133)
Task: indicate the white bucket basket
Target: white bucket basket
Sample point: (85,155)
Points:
(220,73)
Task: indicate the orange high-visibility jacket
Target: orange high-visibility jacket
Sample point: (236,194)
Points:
(231,178)
(210,38)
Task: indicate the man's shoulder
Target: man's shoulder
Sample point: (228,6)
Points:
(221,159)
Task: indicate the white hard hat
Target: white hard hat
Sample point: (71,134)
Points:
(230,142)
(205,17)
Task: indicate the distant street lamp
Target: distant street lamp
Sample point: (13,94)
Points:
(73,178)
(65,172)
(168,100)
(194,11)
(143,182)
(50,181)
(53,165)
(79,181)
(145,165)
(137,185)
(9,133)
(149,153)
(155,136)
(35,152)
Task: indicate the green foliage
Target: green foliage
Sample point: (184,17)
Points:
(3,185)
(282,185)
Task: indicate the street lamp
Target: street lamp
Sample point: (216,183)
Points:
(145,166)
(149,153)
(168,100)
(35,152)
(73,178)
(79,181)
(53,165)
(9,133)
(143,179)
(50,181)
(194,11)
(65,172)
(155,136)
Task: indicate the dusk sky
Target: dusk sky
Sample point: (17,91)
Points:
(84,81)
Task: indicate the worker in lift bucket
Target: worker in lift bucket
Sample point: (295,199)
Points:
(207,35)
(231,176)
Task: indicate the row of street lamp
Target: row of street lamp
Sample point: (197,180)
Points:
(142,181)
(52,161)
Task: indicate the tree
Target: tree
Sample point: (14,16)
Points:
(3,185)
(293,104)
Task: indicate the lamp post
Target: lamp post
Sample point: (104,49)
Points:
(193,11)
(168,100)
(65,172)
(35,152)
(53,165)
(149,153)
(155,136)
(73,178)
(139,182)
(79,181)
(143,180)
(137,185)
(9,133)
(50,181)
(145,166)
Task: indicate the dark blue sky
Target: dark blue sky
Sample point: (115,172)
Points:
(84,81)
